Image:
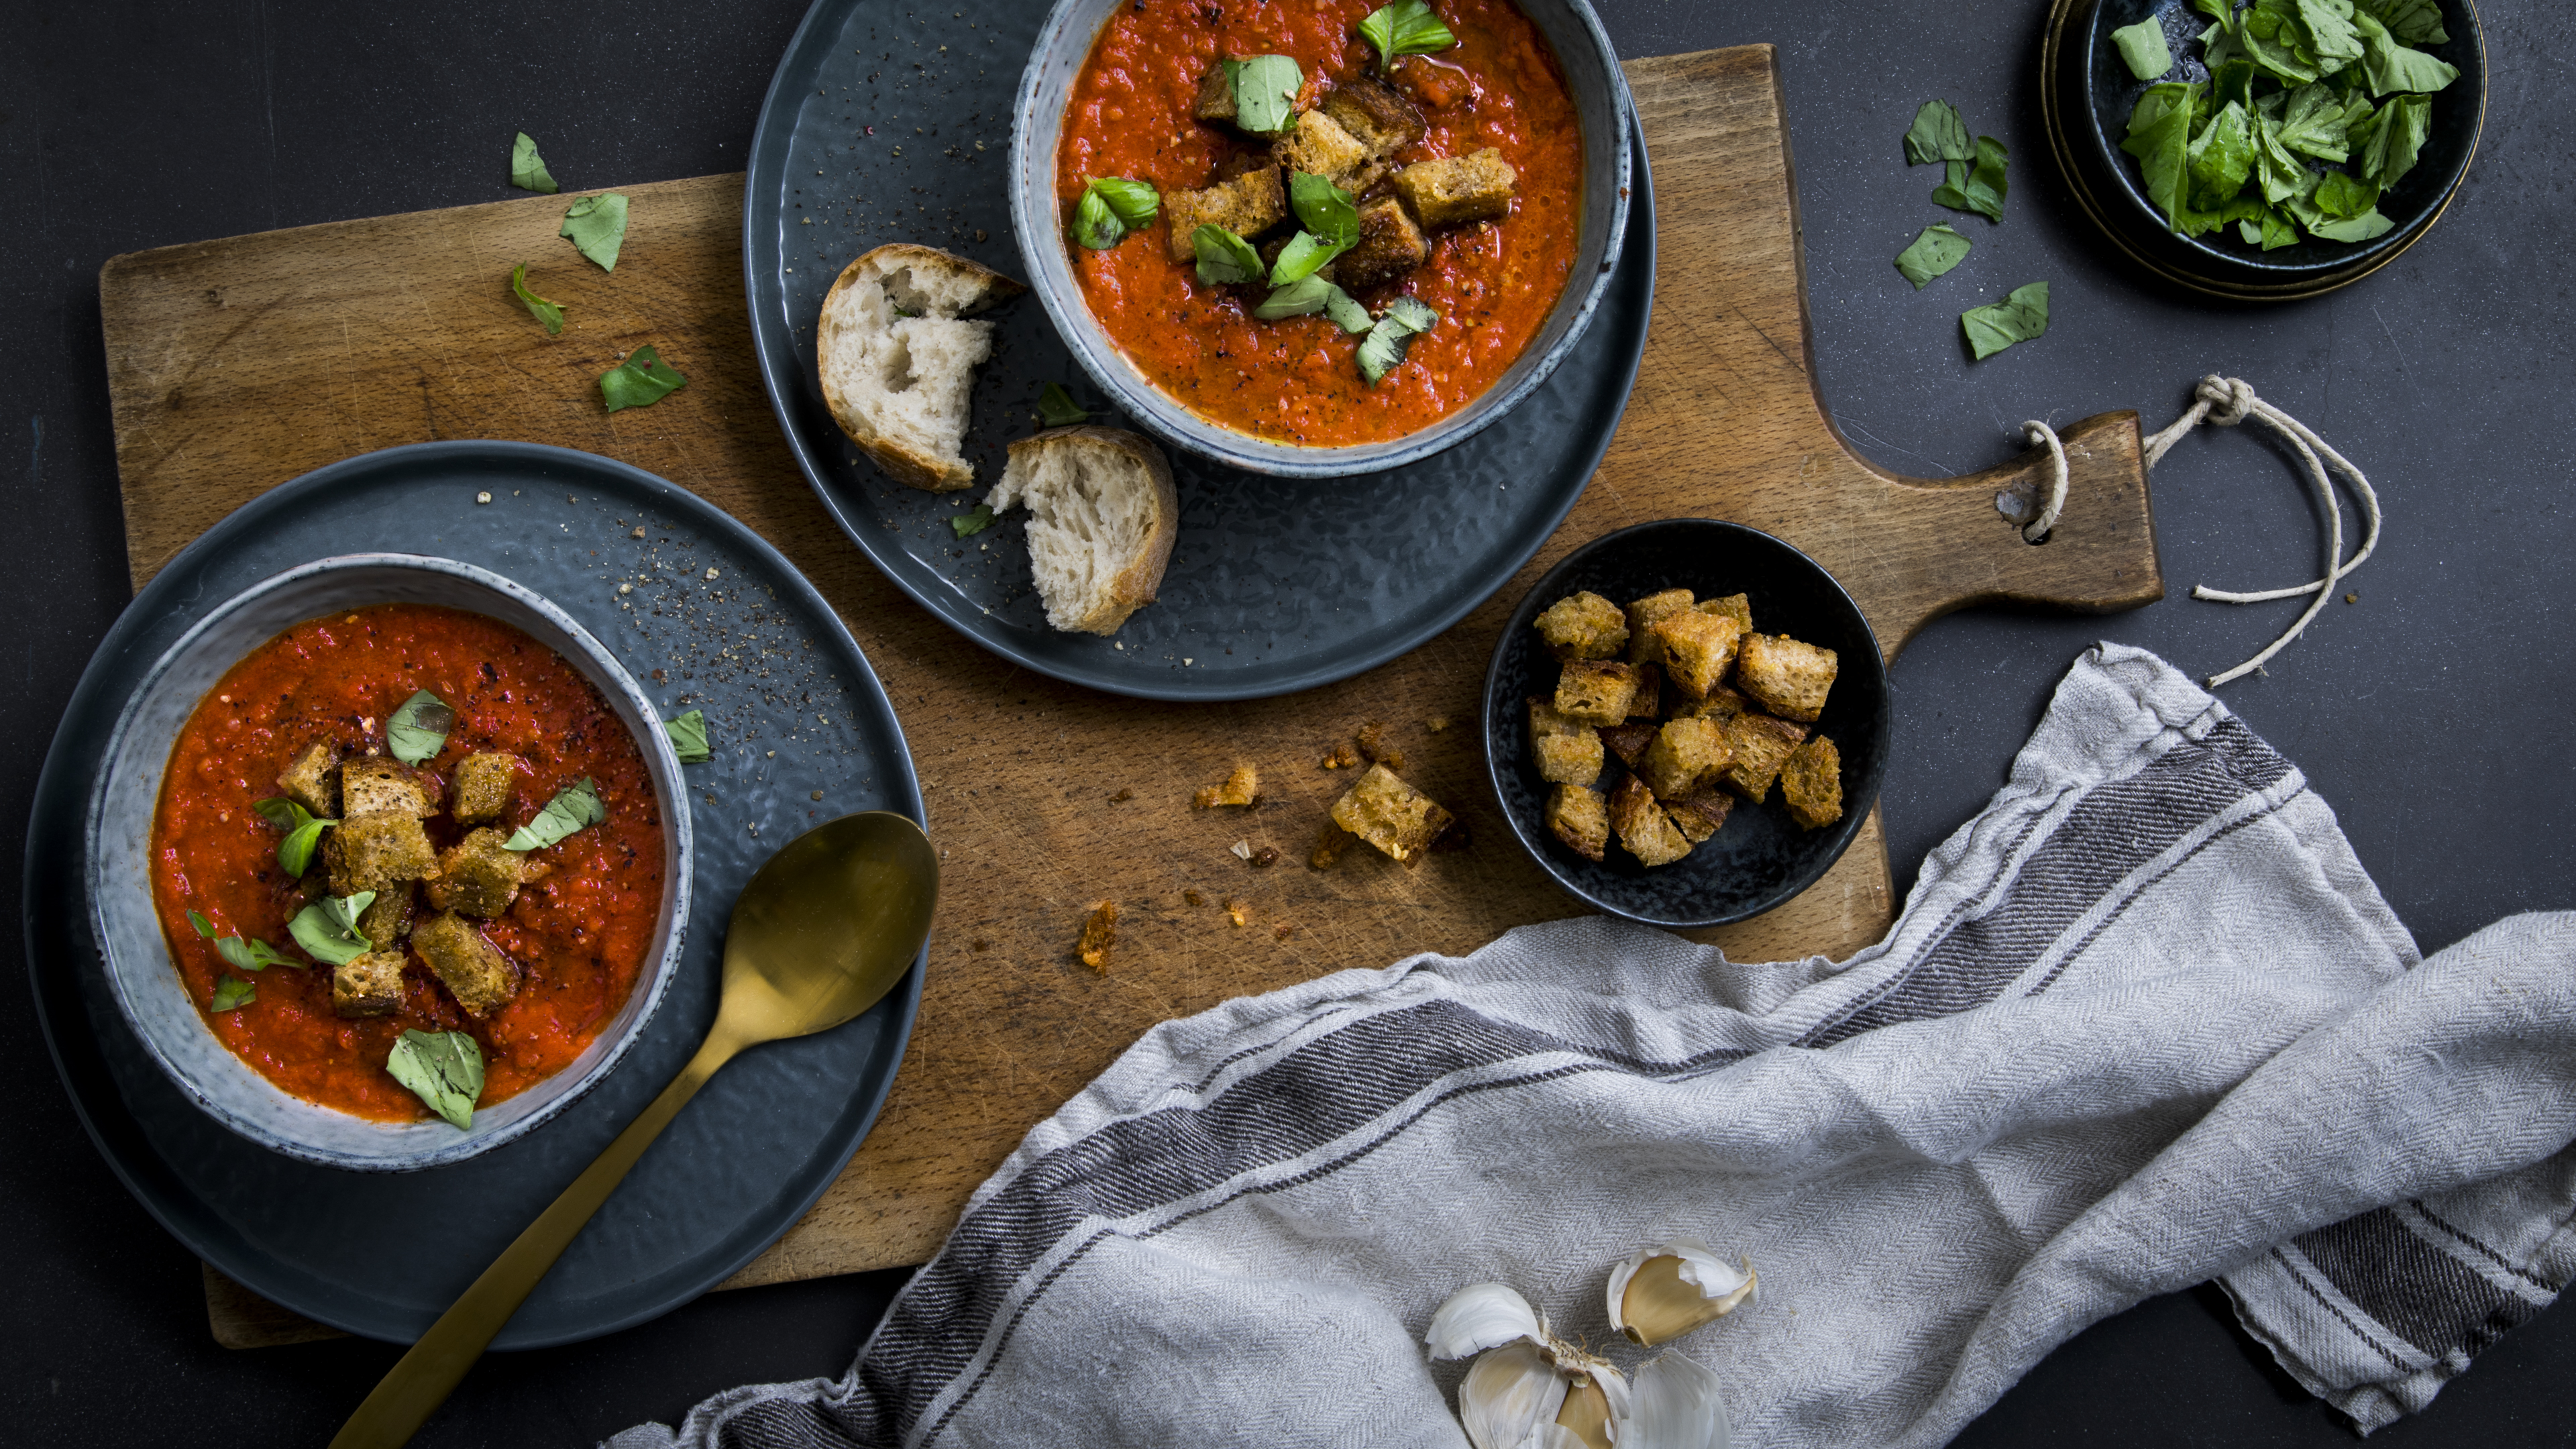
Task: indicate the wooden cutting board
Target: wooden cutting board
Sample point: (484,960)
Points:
(238,364)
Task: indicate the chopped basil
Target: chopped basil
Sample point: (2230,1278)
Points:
(303,833)
(1998,325)
(1384,348)
(597,226)
(1265,92)
(544,311)
(1345,310)
(1406,27)
(1223,257)
(642,380)
(233,992)
(1111,207)
(2389,66)
(2417,22)
(1323,207)
(1934,252)
(2221,159)
(1978,188)
(2397,136)
(972,522)
(247,953)
(2160,137)
(1310,294)
(2142,46)
(689,737)
(328,928)
(527,168)
(418,727)
(574,807)
(442,1068)
(1304,256)
(1938,135)
(1057,409)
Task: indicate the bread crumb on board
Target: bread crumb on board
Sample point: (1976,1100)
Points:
(1099,934)
(1341,757)
(1242,788)
(1377,749)
(1238,913)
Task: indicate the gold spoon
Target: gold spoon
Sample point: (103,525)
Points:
(821,933)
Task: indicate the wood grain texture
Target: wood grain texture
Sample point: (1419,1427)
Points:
(239,364)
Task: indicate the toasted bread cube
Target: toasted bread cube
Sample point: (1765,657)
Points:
(1583,626)
(1786,677)
(1629,741)
(1644,615)
(1686,756)
(1456,190)
(1721,704)
(1390,245)
(1546,719)
(1698,648)
(1248,205)
(1317,144)
(1375,114)
(476,877)
(1811,783)
(1242,787)
(1596,691)
(1738,607)
(1568,759)
(376,785)
(377,852)
(1649,703)
(1581,818)
(480,786)
(1645,831)
(308,781)
(388,917)
(1700,816)
(1216,96)
(1099,934)
(1390,814)
(1761,744)
(473,969)
(369,985)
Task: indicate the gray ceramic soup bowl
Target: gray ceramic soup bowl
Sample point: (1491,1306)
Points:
(1600,93)
(147,985)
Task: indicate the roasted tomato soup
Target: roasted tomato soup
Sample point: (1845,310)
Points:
(1491,278)
(542,944)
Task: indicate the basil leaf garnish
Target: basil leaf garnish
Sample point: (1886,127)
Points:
(969,524)
(597,227)
(303,832)
(1406,27)
(246,953)
(1265,92)
(1095,226)
(1111,207)
(328,928)
(442,1068)
(1224,257)
(1939,135)
(1384,348)
(1934,252)
(544,311)
(1324,208)
(1998,325)
(575,807)
(1345,309)
(1057,409)
(418,727)
(1304,256)
(233,992)
(1296,299)
(689,737)
(527,168)
(642,380)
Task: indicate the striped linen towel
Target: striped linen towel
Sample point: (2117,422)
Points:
(2145,1022)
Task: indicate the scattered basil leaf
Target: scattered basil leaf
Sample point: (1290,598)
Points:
(574,807)
(597,226)
(689,737)
(1265,92)
(1304,256)
(247,953)
(1324,208)
(328,928)
(2360,228)
(1934,252)
(2339,195)
(442,1068)
(2233,81)
(303,833)
(2417,22)
(418,727)
(527,168)
(538,307)
(1057,409)
(1346,311)
(2160,137)
(2389,66)
(2142,47)
(642,380)
(2397,137)
(1998,325)
(1406,27)
(1384,348)
(1979,188)
(233,992)
(1938,135)
(973,522)
(1224,258)
(2314,122)
(2221,158)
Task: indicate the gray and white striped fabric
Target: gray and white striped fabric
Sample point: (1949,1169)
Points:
(2144,1022)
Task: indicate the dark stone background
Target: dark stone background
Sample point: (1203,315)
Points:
(2433,714)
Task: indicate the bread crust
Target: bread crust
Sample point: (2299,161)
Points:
(900,461)
(1142,575)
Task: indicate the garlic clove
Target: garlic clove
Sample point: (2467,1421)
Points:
(1594,1404)
(1675,1404)
(1481,1316)
(1665,1292)
(1509,1394)
(1554,1436)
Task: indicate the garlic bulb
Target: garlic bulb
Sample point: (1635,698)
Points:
(1529,1389)
(1665,1292)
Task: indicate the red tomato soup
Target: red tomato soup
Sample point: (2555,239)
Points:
(1295,380)
(576,936)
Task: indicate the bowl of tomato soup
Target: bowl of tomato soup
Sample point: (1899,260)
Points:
(1467,196)
(508,861)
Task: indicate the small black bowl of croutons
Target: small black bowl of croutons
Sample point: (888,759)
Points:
(1686,722)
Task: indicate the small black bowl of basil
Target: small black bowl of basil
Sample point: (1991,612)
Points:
(2328,138)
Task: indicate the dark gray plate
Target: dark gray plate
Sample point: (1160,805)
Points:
(792,710)
(1761,858)
(1276,584)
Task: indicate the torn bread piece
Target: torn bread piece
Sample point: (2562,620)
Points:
(1102,517)
(1811,783)
(898,357)
(1390,814)
(1581,819)
(1645,831)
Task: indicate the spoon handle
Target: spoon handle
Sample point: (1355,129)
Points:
(416,1386)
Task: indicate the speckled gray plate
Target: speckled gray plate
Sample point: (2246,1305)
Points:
(715,619)
(1276,585)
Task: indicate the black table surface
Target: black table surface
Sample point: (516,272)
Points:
(2433,714)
